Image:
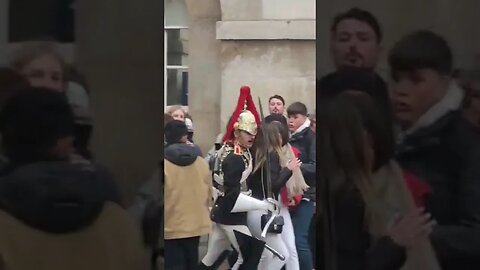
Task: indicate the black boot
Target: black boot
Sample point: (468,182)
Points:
(251,250)
(202,266)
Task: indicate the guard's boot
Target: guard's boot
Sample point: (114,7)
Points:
(202,266)
(251,250)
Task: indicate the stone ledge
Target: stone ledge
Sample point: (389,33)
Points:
(266,30)
(257,10)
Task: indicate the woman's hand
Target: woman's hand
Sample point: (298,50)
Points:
(407,230)
(294,164)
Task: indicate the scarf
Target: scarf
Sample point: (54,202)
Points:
(296,184)
(393,199)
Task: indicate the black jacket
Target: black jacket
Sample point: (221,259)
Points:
(446,155)
(279,178)
(354,249)
(304,141)
(57,197)
(233,166)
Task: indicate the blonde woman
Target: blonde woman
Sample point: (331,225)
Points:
(291,193)
(177,112)
(41,64)
(373,221)
(270,141)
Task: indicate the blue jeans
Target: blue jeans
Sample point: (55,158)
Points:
(301,219)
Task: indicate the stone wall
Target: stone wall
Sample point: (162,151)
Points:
(267,45)
(279,67)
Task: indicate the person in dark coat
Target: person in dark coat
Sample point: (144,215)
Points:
(438,144)
(355,41)
(64,215)
(303,138)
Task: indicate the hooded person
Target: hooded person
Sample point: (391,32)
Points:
(233,165)
(187,196)
(64,215)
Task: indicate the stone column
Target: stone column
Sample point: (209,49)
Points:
(119,48)
(204,70)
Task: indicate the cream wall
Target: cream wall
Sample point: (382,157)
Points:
(267,45)
(279,67)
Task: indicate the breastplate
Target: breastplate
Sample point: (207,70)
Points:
(218,170)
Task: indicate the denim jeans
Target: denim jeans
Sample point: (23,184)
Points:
(301,219)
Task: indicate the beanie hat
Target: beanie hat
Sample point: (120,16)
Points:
(32,121)
(174,131)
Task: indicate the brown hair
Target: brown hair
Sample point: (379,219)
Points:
(342,149)
(271,133)
(277,97)
(297,108)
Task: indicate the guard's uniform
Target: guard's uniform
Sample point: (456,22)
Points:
(236,166)
(233,164)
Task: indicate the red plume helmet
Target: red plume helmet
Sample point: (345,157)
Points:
(245,107)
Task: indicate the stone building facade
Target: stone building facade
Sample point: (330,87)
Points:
(268,45)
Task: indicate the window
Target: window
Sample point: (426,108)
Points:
(176,68)
(176,53)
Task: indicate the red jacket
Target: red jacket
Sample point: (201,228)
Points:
(417,187)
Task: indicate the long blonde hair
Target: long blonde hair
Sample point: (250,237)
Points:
(342,145)
(175,108)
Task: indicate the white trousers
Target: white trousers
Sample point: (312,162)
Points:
(288,236)
(220,239)
(284,243)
